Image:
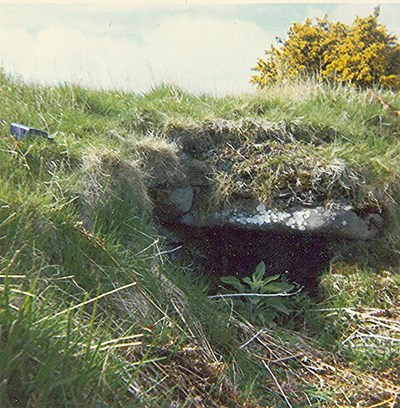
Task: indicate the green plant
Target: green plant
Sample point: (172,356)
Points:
(364,54)
(260,298)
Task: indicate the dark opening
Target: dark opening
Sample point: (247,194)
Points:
(222,251)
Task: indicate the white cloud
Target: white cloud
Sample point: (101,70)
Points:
(201,51)
(202,54)
(346,13)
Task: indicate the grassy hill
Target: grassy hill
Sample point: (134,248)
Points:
(94,314)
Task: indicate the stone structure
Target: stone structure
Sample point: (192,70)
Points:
(315,213)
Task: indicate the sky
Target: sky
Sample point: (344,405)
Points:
(207,47)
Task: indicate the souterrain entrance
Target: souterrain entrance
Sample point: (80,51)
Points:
(233,193)
(226,251)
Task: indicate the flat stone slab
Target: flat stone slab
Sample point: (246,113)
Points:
(340,222)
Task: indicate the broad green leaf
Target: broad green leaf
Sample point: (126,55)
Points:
(232,280)
(271,279)
(278,287)
(260,270)
(247,280)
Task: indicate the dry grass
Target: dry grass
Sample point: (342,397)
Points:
(288,175)
(280,164)
(102,171)
(303,372)
(295,370)
(160,161)
(183,368)
(200,139)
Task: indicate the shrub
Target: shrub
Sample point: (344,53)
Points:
(363,54)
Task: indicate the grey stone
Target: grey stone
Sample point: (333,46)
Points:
(182,198)
(172,203)
(340,222)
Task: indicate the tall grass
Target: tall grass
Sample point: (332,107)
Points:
(93,314)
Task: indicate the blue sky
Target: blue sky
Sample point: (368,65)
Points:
(209,47)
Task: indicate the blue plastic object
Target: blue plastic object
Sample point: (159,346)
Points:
(21,131)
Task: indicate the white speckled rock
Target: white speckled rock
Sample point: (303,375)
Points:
(341,222)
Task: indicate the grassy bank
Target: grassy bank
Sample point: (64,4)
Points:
(94,314)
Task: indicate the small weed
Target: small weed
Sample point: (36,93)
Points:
(260,298)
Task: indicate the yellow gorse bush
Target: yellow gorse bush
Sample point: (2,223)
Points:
(363,54)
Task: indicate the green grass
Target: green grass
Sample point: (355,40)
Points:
(76,228)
